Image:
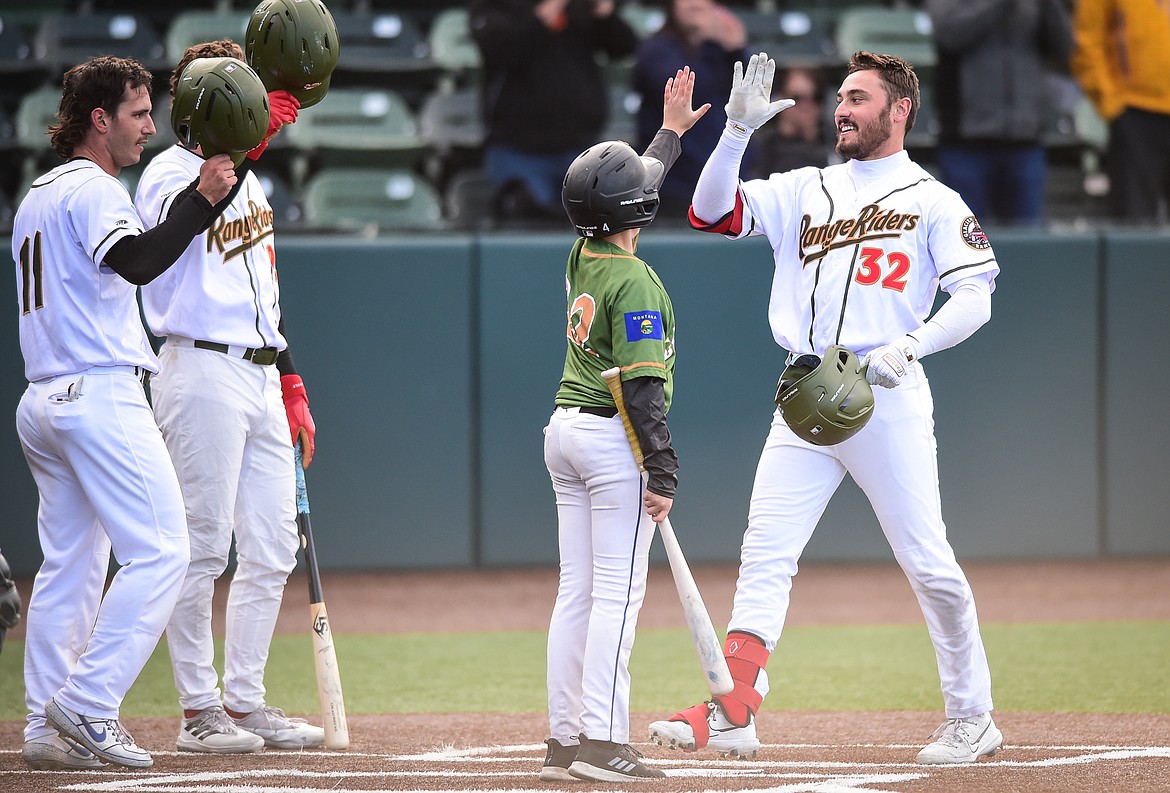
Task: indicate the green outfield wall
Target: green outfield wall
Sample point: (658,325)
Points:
(431,364)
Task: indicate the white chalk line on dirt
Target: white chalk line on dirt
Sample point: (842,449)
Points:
(812,777)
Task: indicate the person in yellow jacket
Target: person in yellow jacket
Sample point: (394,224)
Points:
(1121,58)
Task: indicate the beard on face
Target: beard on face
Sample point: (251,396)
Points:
(867,139)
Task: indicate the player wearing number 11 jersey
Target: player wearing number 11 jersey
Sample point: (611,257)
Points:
(860,251)
(103,474)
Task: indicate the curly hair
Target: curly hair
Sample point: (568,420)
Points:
(897,76)
(224,48)
(98,82)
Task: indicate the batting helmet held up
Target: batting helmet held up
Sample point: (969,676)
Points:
(825,401)
(221,105)
(293,45)
(610,188)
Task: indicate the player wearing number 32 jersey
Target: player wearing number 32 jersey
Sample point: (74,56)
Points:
(860,250)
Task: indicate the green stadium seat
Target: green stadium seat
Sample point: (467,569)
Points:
(65,40)
(452,48)
(353,126)
(905,32)
(371,199)
(388,41)
(451,119)
(195,27)
(36,111)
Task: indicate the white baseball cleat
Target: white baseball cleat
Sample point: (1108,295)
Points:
(106,738)
(211,730)
(962,741)
(280,731)
(54,753)
(725,737)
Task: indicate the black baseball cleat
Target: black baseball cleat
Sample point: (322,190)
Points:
(557,761)
(605,761)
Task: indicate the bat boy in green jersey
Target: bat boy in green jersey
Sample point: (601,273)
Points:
(619,315)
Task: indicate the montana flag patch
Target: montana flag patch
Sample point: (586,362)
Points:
(642,325)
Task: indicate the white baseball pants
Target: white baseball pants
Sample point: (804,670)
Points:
(604,536)
(105,481)
(894,461)
(224,422)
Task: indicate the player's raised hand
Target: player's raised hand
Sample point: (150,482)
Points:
(217,176)
(677,114)
(750,104)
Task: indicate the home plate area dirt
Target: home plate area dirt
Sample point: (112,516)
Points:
(819,752)
(815,752)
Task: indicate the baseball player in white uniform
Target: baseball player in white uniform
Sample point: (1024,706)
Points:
(103,474)
(218,400)
(860,249)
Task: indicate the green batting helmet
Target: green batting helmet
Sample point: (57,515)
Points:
(825,401)
(610,188)
(221,105)
(292,45)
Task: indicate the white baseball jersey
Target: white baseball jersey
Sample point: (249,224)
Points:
(878,237)
(238,480)
(224,287)
(860,249)
(75,312)
(104,478)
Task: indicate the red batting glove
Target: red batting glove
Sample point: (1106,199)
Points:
(300,420)
(282,107)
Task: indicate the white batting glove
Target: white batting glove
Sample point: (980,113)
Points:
(749,105)
(890,363)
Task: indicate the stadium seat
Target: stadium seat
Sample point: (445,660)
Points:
(15,51)
(386,41)
(451,46)
(37,110)
(290,215)
(194,27)
(793,37)
(7,130)
(469,200)
(905,32)
(451,119)
(372,199)
(646,20)
(353,126)
(65,40)
(624,103)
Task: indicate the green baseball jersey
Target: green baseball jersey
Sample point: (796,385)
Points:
(618,315)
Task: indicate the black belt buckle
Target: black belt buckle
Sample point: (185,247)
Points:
(265,356)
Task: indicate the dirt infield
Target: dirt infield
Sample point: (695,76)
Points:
(803,751)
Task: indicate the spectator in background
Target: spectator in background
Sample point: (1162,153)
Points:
(796,138)
(992,100)
(1121,59)
(709,38)
(545,97)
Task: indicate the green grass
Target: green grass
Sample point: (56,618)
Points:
(1106,667)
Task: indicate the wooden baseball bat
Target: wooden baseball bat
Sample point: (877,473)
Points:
(707,643)
(324,656)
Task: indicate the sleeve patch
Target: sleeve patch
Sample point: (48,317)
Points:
(642,325)
(973,234)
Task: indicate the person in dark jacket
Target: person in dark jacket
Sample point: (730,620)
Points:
(710,38)
(545,96)
(992,100)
